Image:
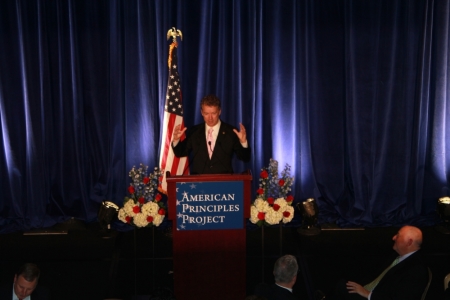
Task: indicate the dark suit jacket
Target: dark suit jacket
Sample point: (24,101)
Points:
(405,281)
(274,292)
(447,294)
(40,293)
(227,144)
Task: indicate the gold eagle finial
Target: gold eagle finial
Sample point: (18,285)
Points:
(173,32)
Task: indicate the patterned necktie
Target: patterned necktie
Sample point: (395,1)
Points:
(210,142)
(374,283)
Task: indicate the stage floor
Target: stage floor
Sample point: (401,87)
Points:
(78,263)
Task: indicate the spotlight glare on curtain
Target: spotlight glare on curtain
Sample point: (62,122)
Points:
(6,140)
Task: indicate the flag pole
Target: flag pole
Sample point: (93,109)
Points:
(173,116)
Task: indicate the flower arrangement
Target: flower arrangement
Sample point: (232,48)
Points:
(273,204)
(143,207)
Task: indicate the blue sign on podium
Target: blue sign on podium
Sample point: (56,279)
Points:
(210,205)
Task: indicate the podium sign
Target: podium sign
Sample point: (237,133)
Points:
(210,205)
(208,214)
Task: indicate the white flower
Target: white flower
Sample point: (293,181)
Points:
(157,220)
(254,214)
(128,207)
(122,215)
(140,220)
(150,209)
(273,217)
(261,205)
(289,209)
(282,203)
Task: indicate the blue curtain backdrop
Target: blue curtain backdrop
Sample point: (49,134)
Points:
(354,95)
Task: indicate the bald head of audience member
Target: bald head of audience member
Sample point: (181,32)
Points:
(285,271)
(408,239)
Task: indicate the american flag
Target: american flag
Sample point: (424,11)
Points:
(173,115)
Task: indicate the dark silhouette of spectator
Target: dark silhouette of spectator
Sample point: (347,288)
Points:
(406,277)
(25,284)
(447,292)
(285,273)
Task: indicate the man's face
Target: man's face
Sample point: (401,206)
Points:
(401,241)
(210,115)
(22,287)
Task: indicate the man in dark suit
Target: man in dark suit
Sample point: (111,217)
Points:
(406,277)
(213,143)
(285,272)
(25,285)
(447,292)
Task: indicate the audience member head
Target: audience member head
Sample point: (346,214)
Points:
(210,108)
(285,271)
(26,280)
(408,239)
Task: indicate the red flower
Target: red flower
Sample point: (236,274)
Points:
(264,174)
(149,219)
(270,200)
(281,182)
(276,207)
(136,209)
(260,191)
(161,212)
(131,189)
(158,197)
(128,219)
(146,180)
(141,200)
(261,216)
(290,198)
(286,214)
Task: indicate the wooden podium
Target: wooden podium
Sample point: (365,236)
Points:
(209,263)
